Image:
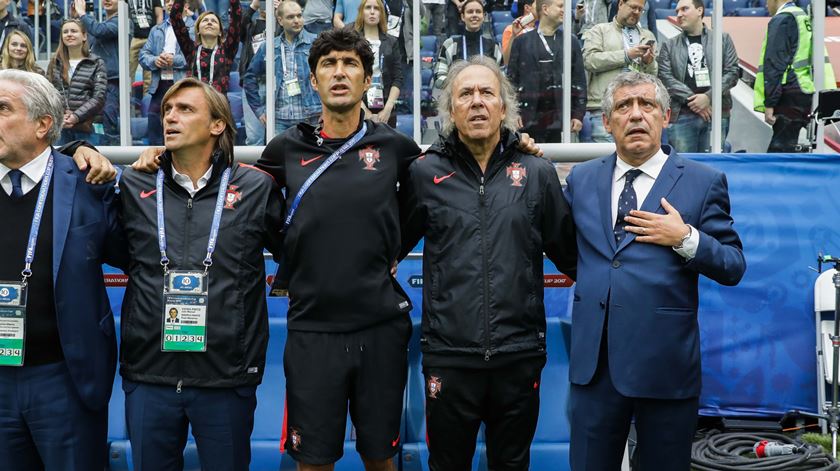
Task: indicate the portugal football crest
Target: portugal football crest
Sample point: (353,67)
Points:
(434,385)
(370,157)
(294,437)
(516,173)
(232,197)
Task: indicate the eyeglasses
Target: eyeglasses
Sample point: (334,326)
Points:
(634,9)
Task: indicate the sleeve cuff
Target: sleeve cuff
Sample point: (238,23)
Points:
(689,247)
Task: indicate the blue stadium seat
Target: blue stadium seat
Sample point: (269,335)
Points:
(498,39)
(751,12)
(405,124)
(498,28)
(661,4)
(428,43)
(139,131)
(235,100)
(730,6)
(664,13)
(234,86)
(501,17)
(759,3)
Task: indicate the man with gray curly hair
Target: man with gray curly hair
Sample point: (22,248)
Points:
(488,212)
(57,348)
(651,222)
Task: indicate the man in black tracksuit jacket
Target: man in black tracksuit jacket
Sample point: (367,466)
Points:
(213,390)
(488,213)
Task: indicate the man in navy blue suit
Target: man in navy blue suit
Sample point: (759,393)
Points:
(57,340)
(649,223)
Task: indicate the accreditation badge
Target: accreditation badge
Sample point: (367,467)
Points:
(12,322)
(701,78)
(292,87)
(142,21)
(376,96)
(184,317)
(394,23)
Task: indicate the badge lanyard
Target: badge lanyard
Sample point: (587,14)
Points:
(212,62)
(625,36)
(545,44)
(214,228)
(13,295)
(283,58)
(320,170)
(480,45)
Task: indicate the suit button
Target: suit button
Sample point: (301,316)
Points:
(616,264)
(603,304)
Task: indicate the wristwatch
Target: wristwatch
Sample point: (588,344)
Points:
(685,238)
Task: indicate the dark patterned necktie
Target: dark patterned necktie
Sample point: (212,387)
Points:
(626,203)
(17,189)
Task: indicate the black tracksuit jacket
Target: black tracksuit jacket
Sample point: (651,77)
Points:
(483,255)
(346,233)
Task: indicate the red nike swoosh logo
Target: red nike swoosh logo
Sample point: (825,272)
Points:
(146,194)
(304,163)
(395,442)
(440,179)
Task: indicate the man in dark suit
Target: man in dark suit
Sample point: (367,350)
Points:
(58,352)
(635,348)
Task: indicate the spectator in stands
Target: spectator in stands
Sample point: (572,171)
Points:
(296,100)
(387,77)
(472,42)
(18,54)
(635,342)
(103,42)
(609,49)
(519,26)
(536,70)
(55,402)
(342,346)
(345,12)
(10,23)
(253,37)
(81,77)
(318,16)
(595,12)
(685,68)
(647,19)
(162,56)
(784,85)
(483,314)
(210,55)
(436,11)
(144,14)
(207,378)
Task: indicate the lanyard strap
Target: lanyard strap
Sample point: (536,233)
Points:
(212,63)
(625,35)
(320,170)
(36,220)
(480,46)
(214,227)
(545,44)
(283,59)
(388,9)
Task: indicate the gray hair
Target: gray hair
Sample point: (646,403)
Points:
(632,78)
(40,99)
(508,93)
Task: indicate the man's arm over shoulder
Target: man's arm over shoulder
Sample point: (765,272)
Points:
(720,253)
(115,252)
(558,226)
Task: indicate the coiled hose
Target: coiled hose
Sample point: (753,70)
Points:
(719,451)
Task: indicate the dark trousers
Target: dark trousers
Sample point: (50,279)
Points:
(600,420)
(111,114)
(791,116)
(155,126)
(158,418)
(458,400)
(45,426)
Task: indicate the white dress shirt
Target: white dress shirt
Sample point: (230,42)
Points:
(186,182)
(642,186)
(33,172)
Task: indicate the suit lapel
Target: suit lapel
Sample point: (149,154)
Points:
(64,189)
(668,176)
(604,190)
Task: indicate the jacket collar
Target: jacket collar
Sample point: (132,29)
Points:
(218,165)
(313,133)
(451,147)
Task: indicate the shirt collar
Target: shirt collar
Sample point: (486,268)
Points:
(652,167)
(186,182)
(34,169)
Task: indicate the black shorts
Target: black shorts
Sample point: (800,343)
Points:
(506,399)
(326,371)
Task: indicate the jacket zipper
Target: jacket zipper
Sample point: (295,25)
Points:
(186,254)
(481,209)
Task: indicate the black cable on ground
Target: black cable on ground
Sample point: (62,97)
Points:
(719,451)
